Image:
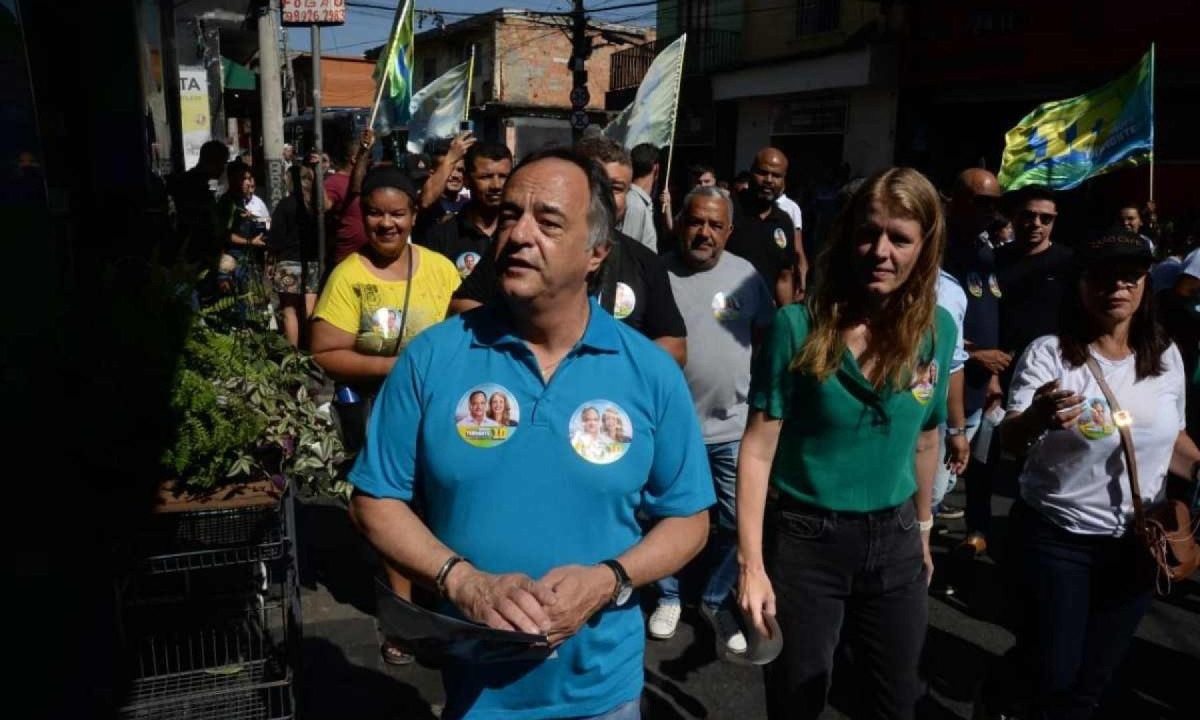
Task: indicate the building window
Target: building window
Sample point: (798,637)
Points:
(428,70)
(817,16)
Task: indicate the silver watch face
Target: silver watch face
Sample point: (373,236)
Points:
(623,594)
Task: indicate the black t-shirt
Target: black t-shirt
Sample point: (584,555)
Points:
(293,233)
(972,263)
(1034,287)
(632,284)
(765,242)
(458,239)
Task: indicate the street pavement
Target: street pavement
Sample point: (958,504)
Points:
(344,676)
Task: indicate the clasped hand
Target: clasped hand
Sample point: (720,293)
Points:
(556,605)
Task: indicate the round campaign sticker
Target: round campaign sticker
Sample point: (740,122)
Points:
(725,307)
(1097,419)
(624,302)
(487,415)
(974,285)
(466,263)
(994,286)
(780,238)
(600,432)
(926,380)
(385,322)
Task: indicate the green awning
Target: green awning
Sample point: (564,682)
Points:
(238,77)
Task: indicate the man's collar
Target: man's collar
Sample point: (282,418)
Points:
(492,326)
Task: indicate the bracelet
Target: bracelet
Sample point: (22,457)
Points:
(955,431)
(440,580)
(925,525)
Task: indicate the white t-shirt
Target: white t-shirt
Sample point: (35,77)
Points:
(789,206)
(1076,477)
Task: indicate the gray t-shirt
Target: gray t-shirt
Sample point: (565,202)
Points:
(720,307)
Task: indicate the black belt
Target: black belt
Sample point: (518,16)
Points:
(783,501)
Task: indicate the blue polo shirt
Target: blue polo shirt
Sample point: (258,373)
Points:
(520,475)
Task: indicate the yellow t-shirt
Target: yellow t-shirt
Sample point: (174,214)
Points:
(357,301)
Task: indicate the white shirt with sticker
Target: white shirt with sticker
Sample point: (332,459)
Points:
(1073,475)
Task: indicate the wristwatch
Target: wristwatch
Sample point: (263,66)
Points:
(624,589)
(955,431)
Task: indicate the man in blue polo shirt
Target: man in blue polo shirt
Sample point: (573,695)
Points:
(530,521)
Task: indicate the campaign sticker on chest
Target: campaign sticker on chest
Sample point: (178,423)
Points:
(624,301)
(1097,420)
(725,307)
(600,432)
(487,416)
(974,285)
(780,238)
(994,286)
(924,383)
(466,263)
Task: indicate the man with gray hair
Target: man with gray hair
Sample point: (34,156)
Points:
(726,307)
(532,523)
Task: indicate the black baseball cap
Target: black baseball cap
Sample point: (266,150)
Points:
(1116,246)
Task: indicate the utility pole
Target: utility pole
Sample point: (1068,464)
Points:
(271,97)
(581,49)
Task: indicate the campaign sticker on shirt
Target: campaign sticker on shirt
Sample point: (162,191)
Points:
(624,302)
(466,263)
(975,285)
(385,322)
(1097,419)
(994,286)
(600,432)
(924,383)
(487,416)
(780,238)
(726,307)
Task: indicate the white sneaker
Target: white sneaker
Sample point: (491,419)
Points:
(664,620)
(725,627)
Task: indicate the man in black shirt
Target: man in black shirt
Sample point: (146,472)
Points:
(465,237)
(762,233)
(632,283)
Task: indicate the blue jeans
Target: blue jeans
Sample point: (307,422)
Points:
(721,554)
(944,481)
(631,710)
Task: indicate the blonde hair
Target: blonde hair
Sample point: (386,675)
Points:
(899,329)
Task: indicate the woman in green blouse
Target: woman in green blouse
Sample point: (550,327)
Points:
(838,458)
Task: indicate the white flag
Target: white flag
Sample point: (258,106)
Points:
(438,108)
(650,118)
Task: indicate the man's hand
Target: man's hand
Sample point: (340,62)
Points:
(995,393)
(958,453)
(927,557)
(996,361)
(756,598)
(579,591)
(367,140)
(459,146)
(506,602)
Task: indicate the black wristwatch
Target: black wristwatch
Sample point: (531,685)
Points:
(624,589)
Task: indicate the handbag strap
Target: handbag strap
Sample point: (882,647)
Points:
(1139,514)
(412,248)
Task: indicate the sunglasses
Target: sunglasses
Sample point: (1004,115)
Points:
(1043,218)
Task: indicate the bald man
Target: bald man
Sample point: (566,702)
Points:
(969,260)
(762,233)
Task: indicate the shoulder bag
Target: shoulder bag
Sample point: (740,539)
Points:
(1166,530)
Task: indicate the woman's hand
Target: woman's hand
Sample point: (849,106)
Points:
(756,598)
(927,557)
(958,453)
(1054,409)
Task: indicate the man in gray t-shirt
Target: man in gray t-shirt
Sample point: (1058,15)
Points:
(726,308)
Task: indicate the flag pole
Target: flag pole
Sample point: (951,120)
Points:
(675,114)
(470,77)
(388,61)
(1153,63)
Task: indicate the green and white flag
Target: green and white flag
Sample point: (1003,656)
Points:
(438,107)
(393,69)
(650,118)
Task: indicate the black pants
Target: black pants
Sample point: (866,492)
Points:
(1082,597)
(829,567)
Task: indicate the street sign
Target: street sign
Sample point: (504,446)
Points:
(579,120)
(313,12)
(580,97)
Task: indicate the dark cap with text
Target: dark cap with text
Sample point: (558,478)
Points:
(1116,246)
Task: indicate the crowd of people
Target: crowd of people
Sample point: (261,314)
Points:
(577,385)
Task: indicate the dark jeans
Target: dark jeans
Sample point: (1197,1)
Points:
(1082,597)
(828,568)
(978,479)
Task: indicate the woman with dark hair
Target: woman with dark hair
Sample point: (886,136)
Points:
(838,459)
(293,243)
(1080,572)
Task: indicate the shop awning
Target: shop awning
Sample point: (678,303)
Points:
(238,77)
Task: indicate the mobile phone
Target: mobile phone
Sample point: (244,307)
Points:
(466,126)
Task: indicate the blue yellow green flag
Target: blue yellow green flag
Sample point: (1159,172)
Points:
(1063,143)
(395,67)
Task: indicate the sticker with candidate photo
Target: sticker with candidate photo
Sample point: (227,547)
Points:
(924,383)
(974,285)
(600,432)
(994,286)
(726,307)
(780,238)
(1096,421)
(624,302)
(487,415)
(466,263)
